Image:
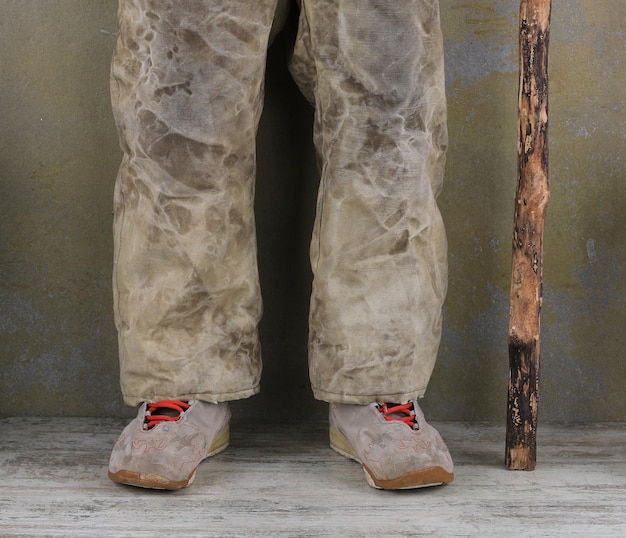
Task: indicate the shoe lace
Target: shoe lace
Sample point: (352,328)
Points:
(399,412)
(164,411)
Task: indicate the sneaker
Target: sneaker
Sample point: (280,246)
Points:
(163,446)
(395,445)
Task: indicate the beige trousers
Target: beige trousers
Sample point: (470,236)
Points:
(187,91)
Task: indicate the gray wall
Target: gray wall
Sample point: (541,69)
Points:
(58,160)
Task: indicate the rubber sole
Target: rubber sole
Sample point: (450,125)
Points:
(433,476)
(153,481)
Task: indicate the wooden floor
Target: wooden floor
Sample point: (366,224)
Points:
(283,481)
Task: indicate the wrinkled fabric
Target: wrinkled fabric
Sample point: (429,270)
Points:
(187,91)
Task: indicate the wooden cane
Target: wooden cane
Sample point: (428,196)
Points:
(531,200)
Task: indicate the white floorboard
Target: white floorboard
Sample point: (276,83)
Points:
(278,480)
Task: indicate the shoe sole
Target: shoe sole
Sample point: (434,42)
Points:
(433,476)
(153,481)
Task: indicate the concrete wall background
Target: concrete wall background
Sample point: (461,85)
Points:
(58,160)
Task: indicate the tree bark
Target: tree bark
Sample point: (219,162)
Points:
(531,201)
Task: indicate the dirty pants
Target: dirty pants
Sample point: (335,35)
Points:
(187,91)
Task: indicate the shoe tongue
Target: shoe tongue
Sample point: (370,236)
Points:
(399,412)
(166,411)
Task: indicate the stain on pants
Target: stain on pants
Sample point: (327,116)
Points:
(187,92)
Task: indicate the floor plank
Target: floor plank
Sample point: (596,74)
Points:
(283,480)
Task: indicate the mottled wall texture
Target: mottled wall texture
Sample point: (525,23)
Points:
(59,156)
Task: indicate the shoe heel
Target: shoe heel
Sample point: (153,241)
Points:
(339,444)
(220,442)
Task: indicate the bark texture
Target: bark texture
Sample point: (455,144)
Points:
(531,201)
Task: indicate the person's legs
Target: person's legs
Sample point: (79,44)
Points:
(374,71)
(187,85)
(379,246)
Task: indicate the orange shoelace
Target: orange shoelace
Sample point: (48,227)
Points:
(399,412)
(159,412)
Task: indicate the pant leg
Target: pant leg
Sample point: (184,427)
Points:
(374,70)
(187,84)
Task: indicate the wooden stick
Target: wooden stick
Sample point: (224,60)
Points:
(531,201)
